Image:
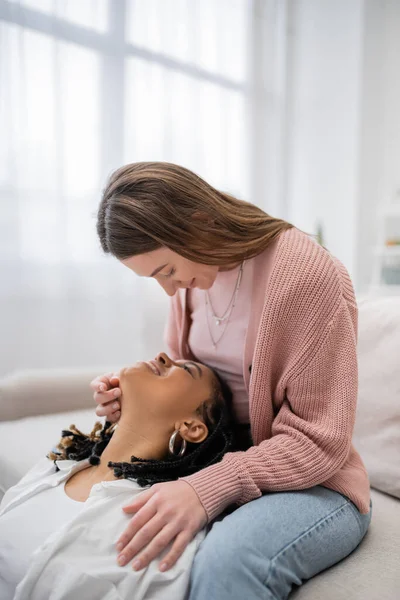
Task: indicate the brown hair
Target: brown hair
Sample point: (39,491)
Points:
(147,205)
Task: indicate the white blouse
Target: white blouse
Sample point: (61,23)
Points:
(78,559)
(26,527)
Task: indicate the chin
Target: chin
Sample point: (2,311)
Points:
(210,283)
(139,366)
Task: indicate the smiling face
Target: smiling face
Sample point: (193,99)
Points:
(171,270)
(165,391)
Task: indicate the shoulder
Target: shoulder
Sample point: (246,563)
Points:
(300,257)
(307,272)
(42,471)
(307,288)
(309,294)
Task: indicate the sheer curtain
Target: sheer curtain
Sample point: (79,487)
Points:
(85,86)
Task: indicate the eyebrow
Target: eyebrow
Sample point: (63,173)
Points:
(157,270)
(190,362)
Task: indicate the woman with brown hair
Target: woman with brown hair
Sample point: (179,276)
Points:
(275,313)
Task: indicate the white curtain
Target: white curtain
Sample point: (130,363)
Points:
(85,86)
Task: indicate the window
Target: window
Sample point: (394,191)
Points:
(91,84)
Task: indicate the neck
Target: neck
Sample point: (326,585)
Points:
(128,441)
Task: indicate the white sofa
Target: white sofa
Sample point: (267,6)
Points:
(36,405)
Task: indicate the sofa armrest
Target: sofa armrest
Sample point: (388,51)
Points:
(26,393)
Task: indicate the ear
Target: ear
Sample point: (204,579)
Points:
(192,430)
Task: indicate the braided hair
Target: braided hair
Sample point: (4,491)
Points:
(216,413)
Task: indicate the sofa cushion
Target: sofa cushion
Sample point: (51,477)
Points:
(24,441)
(377,427)
(371,571)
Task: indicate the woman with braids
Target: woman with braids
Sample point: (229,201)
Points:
(175,420)
(274,312)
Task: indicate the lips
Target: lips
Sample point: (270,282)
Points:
(154,367)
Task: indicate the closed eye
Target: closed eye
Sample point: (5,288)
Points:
(188,370)
(196,367)
(172,272)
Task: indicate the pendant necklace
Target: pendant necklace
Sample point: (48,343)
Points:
(224,319)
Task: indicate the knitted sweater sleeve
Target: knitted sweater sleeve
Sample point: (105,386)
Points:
(312,431)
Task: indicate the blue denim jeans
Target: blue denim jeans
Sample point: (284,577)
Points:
(263,548)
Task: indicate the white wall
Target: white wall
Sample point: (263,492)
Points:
(343,130)
(322,167)
(379,165)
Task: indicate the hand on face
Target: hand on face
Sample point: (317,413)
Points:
(106,393)
(170,389)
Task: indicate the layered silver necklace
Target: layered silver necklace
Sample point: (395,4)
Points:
(224,319)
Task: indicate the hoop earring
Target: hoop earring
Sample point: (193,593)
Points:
(172,444)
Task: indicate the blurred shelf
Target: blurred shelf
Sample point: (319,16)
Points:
(387,250)
(385,275)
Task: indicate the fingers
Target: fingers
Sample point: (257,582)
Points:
(153,539)
(157,545)
(104,380)
(176,551)
(140,501)
(109,393)
(113,418)
(167,517)
(108,408)
(112,415)
(142,516)
(108,396)
(146,537)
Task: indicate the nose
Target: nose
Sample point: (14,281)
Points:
(164,359)
(169,288)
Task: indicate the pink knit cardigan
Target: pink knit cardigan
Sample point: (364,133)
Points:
(301,346)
